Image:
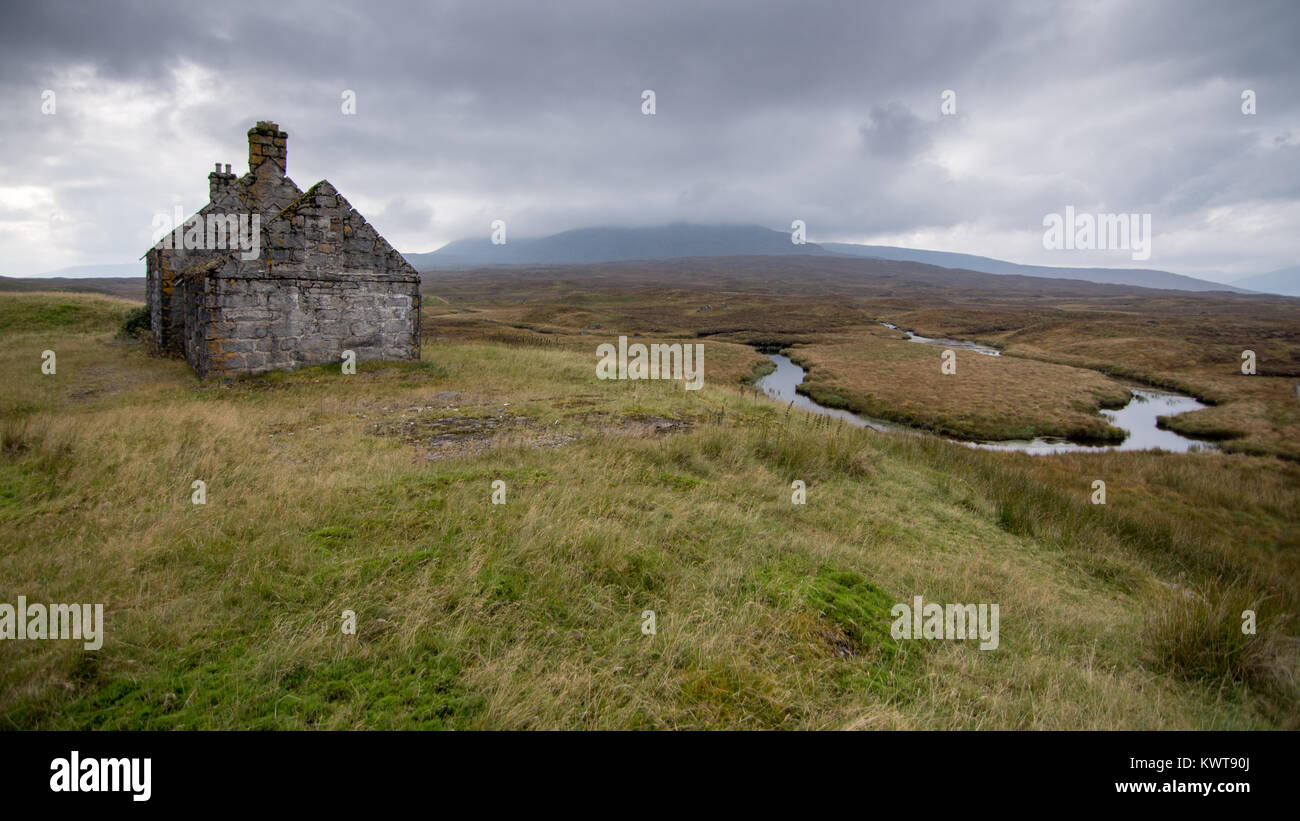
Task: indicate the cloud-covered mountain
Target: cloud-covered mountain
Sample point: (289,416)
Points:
(607,244)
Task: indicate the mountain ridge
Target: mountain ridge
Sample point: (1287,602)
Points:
(680,239)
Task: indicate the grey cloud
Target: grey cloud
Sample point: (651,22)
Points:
(401,214)
(893,131)
(826,111)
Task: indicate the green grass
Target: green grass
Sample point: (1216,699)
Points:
(72,313)
(472,615)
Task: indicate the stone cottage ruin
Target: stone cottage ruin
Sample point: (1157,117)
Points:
(267,277)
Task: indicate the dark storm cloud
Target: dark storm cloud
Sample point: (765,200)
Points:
(766,112)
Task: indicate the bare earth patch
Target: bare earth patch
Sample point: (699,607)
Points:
(447,431)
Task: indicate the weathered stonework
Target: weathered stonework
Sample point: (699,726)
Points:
(323,281)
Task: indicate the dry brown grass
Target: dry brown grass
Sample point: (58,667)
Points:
(987,397)
(1180,341)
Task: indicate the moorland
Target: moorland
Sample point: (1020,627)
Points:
(373,493)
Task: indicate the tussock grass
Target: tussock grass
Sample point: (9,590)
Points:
(1198,634)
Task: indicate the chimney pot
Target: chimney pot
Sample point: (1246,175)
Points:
(216,183)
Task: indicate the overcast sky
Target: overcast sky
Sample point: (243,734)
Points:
(766,112)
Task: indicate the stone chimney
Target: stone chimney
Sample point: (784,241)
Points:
(218,181)
(267,142)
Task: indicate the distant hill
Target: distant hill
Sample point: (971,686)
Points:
(679,240)
(607,244)
(1285,281)
(125,280)
(849,277)
(124,287)
(1142,277)
(121,269)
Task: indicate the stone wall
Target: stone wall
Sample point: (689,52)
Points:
(153,295)
(253,325)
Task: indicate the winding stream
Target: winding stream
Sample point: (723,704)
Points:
(1137,418)
(960,344)
(781,385)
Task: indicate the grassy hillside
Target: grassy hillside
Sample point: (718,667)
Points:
(372,493)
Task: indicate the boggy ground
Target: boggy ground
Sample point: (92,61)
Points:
(1070,347)
(880,374)
(622,497)
(1184,343)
